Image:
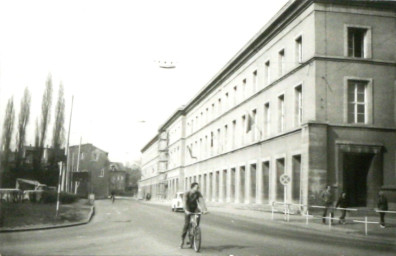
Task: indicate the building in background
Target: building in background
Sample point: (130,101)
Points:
(90,171)
(117,178)
(312,96)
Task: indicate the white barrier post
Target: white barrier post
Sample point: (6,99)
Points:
(330,220)
(307,216)
(365,225)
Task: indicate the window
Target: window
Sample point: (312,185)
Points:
(358,42)
(298,105)
(357,99)
(281,113)
(299,49)
(281,62)
(267,119)
(211,139)
(101,173)
(207,115)
(252,124)
(82,155)
(213,110)
(254,81)
(267,71)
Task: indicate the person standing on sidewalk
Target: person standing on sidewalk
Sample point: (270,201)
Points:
(342,202)
(327,197)
(382,205)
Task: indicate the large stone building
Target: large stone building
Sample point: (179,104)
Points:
(311,95)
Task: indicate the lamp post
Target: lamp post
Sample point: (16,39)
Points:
(59,187)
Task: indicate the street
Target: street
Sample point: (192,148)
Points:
(130,227)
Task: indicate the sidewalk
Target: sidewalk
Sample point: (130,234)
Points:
(351,228)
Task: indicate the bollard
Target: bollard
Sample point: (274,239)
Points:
(330,220)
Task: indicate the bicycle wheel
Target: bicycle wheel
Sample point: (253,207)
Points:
(197,239)
(191,236)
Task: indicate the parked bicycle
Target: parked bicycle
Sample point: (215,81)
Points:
(194,231)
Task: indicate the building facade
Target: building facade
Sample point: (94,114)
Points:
(90,171)
(118,178)
(312,96)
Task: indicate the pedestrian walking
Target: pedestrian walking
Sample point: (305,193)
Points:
(382,205)
(112,196)
(327,197)
(342,202)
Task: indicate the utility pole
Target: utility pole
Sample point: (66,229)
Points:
(67,173)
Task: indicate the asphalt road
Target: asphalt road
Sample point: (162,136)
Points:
(130,227)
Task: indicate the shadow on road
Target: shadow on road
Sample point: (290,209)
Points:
(222,248)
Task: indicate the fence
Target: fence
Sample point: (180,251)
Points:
(287,212)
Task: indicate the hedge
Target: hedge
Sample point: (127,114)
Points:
(51,197)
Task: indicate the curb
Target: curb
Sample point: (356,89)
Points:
(44,227)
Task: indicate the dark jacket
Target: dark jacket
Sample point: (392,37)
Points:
(342,202)
(382,203)
(327,197)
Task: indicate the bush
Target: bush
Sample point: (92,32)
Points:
(51,197)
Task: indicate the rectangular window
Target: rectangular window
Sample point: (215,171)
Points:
(299,49)
(281,113)
(211,139)
(357,101)
(357,42)
(281,62)
(267,71)
(254,81)
(267,119)
(280,169)
(102,173)
(207,115)
(298,105)
(252,124)
(213,111)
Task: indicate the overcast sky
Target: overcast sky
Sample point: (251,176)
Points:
(105,53)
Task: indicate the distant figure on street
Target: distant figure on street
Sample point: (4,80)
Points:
(112,196)
(342,202)
(193,202)
(382,205)
(327,197)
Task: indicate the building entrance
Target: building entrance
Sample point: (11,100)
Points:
(356,168)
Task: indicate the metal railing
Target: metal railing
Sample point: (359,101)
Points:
(287,212)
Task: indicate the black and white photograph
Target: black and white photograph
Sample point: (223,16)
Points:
(184,127)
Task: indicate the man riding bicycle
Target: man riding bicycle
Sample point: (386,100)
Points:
(192,200)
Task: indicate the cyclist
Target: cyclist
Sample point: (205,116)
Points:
(191,199)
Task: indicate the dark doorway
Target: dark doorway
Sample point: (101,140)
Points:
(356,168)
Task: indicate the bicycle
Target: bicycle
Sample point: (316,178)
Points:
(194,231)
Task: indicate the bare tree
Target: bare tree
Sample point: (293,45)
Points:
(23,120)
(44,122)
(8,128)
(58,136)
